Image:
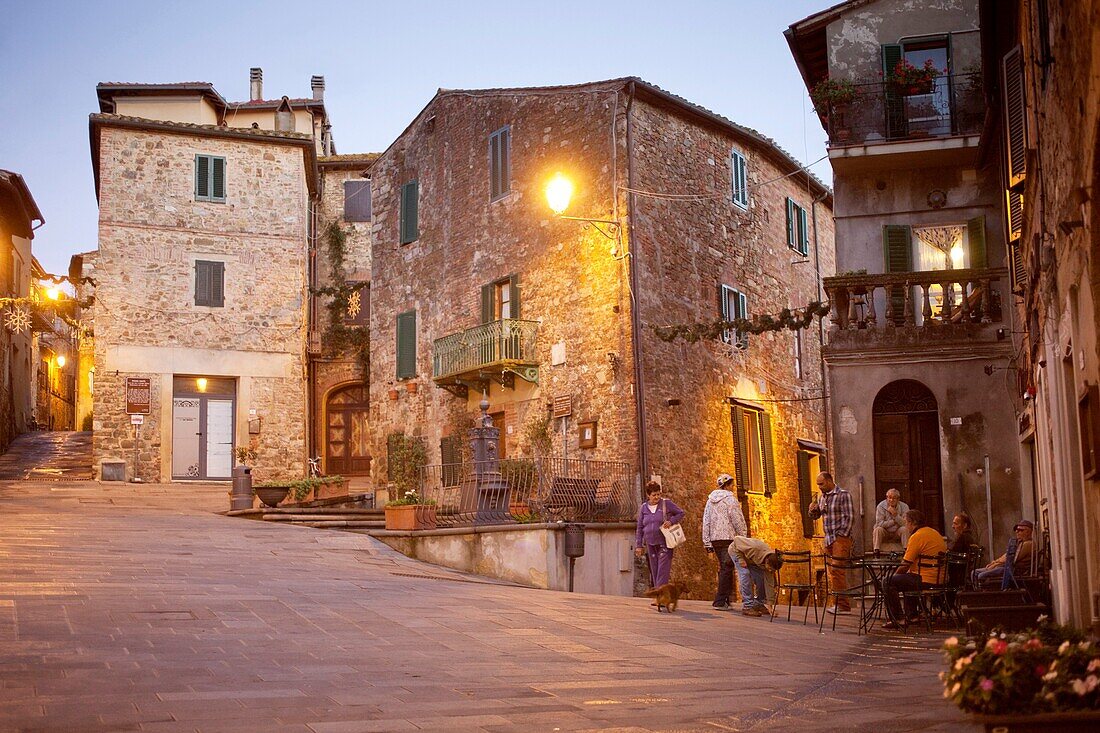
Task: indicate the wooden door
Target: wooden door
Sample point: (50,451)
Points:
(347,449)
(925,487)
(891,455)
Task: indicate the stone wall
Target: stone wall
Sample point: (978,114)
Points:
(151,232)
(684,250)
(577,287)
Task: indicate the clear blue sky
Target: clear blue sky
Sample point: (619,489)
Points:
(382,61)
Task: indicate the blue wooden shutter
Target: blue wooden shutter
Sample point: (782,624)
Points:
(791,224)
(217,179)
(767,453)
(406,345)
(803,232)
(410,226)
(742,312)
(202,177)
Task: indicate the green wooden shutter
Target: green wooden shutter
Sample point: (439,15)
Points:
(768,453)
(1015,104)
(740,449)
(724,311)
(1016,270)
(406,345)
(217,179)
(487,293)
(202,282)
(513,287)
(898,257)
(410,225)
(896,123)
(202,177)
(805,493)
(975,234)
(217,284)
(897,244)
(448,456)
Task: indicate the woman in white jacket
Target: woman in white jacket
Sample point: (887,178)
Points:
(722,521)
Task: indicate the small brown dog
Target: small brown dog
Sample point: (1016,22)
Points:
(667,595)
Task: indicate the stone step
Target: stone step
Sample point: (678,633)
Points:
(311,517)
(379,524)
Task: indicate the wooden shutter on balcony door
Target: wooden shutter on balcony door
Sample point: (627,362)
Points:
(513,291)
(488,296)
(1012,67)
(767,452)
(740,448)
(805,493)
(896,124)
(898,257)
(975,235)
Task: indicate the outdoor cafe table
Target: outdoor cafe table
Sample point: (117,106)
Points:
(876,569)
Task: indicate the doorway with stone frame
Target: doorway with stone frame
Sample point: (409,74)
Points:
(907,448)
(347,434)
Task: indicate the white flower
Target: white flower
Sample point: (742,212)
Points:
(1080,687)
(951,642)
(1094,665)
(1064,647)
(956,688)
(1050,676)
(1084,644)
(1042,617)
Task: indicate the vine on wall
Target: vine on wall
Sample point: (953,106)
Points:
(339,337)
(786,319)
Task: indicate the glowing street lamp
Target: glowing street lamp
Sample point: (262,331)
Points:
(61,360)
(558,193)
(53,293)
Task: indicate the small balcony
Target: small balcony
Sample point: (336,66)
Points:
(934,119)
(497,350)
(919,308)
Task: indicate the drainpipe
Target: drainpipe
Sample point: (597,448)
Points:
(821,328)
(635,319)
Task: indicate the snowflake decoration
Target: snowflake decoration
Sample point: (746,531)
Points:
(83,329)
(355,305)
(19,319)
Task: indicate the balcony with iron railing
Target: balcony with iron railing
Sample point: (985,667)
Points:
(915,308)
(936,113)
(497,349)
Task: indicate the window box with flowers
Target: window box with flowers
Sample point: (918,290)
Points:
(907,80)
(410,512)
(1044,679)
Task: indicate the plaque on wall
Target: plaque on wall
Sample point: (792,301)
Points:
(563,405)
(587,434)
(137,395)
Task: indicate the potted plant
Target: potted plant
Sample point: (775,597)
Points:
(1044,679)
(245,454)
(271,493)
(410,512)
(829,93)
(906,80)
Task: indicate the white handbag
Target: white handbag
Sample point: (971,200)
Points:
(674,535)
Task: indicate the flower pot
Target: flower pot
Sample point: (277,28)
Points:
(918,87)
(272,495)
(410,387)
(1071,721)
(331,489)
(411,517)
(393,394)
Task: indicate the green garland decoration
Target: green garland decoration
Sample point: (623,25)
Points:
(786,319)
(338,336)
(53,307)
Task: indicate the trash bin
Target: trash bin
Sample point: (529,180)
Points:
(574,540)
(241,495)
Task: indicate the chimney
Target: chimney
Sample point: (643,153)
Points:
(284,117)
(256,83)
(317,83)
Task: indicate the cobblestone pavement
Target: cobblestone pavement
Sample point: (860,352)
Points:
(137,608)
(48,455)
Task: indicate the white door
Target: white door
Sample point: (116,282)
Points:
(185,437)
(219,438)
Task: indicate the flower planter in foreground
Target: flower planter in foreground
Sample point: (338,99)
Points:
(410,517)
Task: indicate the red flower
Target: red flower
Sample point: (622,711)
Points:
(1040,670)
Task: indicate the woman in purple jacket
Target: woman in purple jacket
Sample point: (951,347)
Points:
(654,513)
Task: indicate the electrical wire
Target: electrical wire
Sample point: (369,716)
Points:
(720,194)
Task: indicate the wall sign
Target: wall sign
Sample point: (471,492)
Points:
(137,419)
(587,432)
(563,406)
(137,396)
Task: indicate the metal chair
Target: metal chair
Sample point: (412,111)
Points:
(928,592)
(796,565)
(852,593)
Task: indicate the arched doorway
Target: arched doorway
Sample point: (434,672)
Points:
(347,444)
(907,448)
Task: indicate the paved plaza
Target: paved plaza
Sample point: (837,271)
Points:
(140,608)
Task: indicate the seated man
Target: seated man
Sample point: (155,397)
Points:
(889,524)
(761,562)
(923,540)
(1024,565)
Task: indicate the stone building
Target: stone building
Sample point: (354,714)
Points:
(19,217)
(54,352)
(1042,63)
(686,217)
(202,277)
(921,387)
(338,344)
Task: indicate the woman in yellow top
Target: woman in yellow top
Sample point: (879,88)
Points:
(923,540)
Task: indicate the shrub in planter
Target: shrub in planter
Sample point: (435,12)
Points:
(1050,669)
(411,511)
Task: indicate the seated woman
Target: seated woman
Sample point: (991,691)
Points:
(923,540)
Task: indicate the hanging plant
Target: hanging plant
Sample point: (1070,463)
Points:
(793,320)
(343,300)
